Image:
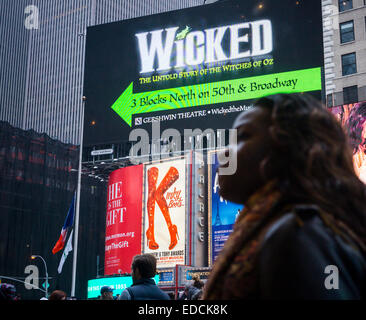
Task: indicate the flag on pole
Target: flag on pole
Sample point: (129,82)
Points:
(68,248)
(67,224)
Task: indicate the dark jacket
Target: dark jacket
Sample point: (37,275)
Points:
(144,289)
(192,293)
(293,262)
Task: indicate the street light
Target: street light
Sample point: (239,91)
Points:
(45,266)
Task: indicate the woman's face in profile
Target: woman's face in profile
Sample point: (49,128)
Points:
(253,145)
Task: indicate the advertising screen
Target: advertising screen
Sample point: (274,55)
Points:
(198,67)
(222,213)
(353,119)
(164,212)
(118,284)
(123,219)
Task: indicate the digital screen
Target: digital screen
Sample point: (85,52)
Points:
(353,119)
(198,67)
(117,283)
(222,215)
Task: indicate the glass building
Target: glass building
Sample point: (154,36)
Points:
(42,60)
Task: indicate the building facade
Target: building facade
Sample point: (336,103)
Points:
(13,60)
(42,57)
(344,51)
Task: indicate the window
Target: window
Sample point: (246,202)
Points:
(349,64)
(350,95)
(345,5)
(347,31)
(330,100)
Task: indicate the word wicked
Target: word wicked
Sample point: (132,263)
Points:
(199,47)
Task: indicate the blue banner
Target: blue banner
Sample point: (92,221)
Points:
(223,214)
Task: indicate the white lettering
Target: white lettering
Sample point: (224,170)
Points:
(266,27)
(32,281)
(194,48)
(214,50)
(331,281)
(195,40)
(31,21)
(147,55)
(236,40)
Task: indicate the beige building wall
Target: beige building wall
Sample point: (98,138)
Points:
(334,49)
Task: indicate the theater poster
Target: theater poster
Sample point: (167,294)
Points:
(123,219)
(222,213)
(164,212)
(353,119)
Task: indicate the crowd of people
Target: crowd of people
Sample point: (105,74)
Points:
(144,287)
(8,292)
(304,211)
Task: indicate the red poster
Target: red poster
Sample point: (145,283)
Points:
(123,220)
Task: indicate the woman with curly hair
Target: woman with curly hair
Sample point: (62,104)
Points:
(58,295)
(301,234)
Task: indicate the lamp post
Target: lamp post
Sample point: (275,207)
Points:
(45,266)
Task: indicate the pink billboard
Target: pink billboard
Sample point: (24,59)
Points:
(123,219)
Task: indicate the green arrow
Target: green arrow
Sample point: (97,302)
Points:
(130,103)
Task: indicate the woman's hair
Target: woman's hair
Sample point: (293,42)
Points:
(57,295)
(312,158)
(146,263)
(355,124)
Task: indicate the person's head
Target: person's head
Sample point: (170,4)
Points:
(356,127)
(143,266)
(58,295)
(294,140)
(197,282)
(106,293)
(8,292)
(186,289)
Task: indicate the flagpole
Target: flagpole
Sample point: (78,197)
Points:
(75,249)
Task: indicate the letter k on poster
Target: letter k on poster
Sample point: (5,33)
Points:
(164,214)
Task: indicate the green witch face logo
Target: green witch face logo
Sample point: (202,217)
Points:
(181,35)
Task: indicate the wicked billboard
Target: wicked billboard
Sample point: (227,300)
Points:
(198,67)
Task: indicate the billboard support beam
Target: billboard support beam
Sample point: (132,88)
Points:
(77,211)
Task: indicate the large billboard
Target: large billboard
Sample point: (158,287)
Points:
(353,119)
(123,219)
(222,213)
(165,212)
(198,67)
